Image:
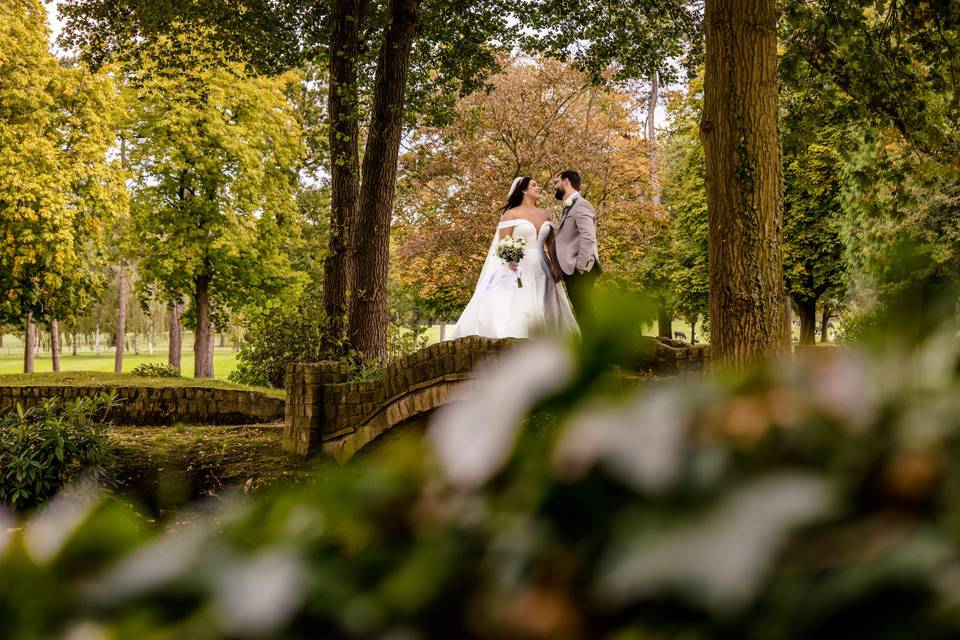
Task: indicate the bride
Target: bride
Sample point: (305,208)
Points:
(500,307)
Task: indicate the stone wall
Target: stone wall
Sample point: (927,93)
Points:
(163,405)
(327,413)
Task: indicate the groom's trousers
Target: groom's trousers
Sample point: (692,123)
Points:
(580,288)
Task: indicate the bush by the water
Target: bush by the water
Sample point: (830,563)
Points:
(805,500)
(156,370)
(46,446)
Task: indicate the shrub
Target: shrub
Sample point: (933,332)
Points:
(287,334)
(49,445)
(277,336)
(156,370)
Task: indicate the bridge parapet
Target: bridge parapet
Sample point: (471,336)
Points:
(327,413)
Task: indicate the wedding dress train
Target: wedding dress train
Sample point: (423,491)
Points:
(500,308)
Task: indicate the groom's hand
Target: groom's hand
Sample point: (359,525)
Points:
(513,266)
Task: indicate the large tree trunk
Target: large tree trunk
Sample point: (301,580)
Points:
(121,321)
(55,345)
(346,20)
(824,321)
(96,341)
(176,335)
(75,343)
(742,149)
(368,313)
(664,321)
(808,321)
(29,344)
(652,138)
(202,345)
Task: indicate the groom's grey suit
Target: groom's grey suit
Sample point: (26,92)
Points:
(576,252)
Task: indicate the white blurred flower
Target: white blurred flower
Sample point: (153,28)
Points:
(720,559)
(640,442)
(50,529)
(258,595)
(154,565)
(473,438)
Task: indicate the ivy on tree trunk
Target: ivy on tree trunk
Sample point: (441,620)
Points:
(368,313)
(741,145)
(345,26)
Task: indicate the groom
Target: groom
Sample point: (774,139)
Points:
(576,244)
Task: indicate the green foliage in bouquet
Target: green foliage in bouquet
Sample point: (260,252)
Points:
(807,499)
(50,445)
(156,370)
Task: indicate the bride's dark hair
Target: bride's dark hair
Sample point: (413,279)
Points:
(516,196)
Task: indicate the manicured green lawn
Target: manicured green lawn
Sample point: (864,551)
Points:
(11,359)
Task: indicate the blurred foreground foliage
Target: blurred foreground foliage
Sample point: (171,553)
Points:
(812,498)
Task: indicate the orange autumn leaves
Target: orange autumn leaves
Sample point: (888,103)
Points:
(538,119)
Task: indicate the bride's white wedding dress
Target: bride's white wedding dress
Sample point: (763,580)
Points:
(501,309)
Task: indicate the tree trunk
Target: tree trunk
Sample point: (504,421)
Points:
(150,338)
(346,20)
(368,313)
(652,139)
(664,321)
(29,344)
(443,330)
(824,321)
(55,345)
(121,321)
(808,321)
(176,335)
(75,343)
(202,345)
(742,149)
(788,322)
(96,341)
(693,332)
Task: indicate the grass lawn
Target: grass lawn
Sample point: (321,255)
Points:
(11,359)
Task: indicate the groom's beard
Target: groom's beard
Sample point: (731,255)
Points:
(558,194)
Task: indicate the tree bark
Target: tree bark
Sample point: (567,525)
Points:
(693,332)
(652,139)
(202,345)
(443,330)
(55,345)
(664,321)
(346,21)
(824,321)
(368,313)
(121,321)
(29,344)
(808,321)
(742,149)
(96,341)
(176,335)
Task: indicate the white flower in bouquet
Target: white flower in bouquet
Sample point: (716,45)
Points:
(511,249)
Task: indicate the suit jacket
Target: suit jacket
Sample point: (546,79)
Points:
(576,240)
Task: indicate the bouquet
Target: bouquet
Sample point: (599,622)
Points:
(511,249)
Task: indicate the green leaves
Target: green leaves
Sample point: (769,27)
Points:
(49,445)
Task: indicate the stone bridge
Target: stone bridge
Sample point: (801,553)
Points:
(328,414)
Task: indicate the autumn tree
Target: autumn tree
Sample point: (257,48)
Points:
(539,119)
(215,162)
(59,187)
